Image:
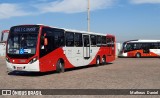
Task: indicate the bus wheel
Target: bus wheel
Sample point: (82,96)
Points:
(104,60)
(98,60)
(138,55)
(60,66)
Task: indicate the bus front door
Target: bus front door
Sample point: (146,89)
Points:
(86,46)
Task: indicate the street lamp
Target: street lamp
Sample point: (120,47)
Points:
(88,16)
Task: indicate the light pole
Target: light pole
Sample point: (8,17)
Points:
(88,16)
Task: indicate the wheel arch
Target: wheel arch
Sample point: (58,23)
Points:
(138,53)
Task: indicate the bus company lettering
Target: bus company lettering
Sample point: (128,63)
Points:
(27,92)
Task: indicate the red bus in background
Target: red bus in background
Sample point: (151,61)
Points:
(40,48)
(141,48)
(4,35)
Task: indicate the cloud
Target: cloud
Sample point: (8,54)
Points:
(11,10)
(73,6)
(145,1)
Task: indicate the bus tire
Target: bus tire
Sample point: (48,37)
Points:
(138,55)
(98,60)
(60,66)
(104,60)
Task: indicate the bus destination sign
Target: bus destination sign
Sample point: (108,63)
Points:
(25,29)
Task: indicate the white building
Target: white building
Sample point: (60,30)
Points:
(2,48)
(118,48)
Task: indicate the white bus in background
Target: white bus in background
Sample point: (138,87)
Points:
(141,48)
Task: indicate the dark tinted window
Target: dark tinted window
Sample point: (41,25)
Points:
(58,37)
(137,46)
(93,40)
(99,40)
(86,40)
(78,39)
(110,42)
(69,39)
(129,47)
(104,42)
(55,39)
(155,45)
(144,46)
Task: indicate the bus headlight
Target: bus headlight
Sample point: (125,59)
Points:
(7,59)
(33,60)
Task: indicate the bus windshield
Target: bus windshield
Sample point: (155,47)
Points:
(128,47)
(131,46)
(22,41)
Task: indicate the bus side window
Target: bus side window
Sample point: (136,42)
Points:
(112,41)
(109,42)
(129,47)
(155,46)
(158,46)
(58,38)
(99,41)
(47,33)
(78,40)
(146,47)
(134,46)
(93,40)
(138,46)
(104,42)
(69,38)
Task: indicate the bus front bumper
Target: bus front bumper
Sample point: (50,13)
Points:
(34,67)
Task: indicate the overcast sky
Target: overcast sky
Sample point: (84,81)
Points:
(126,19)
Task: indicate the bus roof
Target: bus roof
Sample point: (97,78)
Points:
(141,40)
(69,30)
(78,31)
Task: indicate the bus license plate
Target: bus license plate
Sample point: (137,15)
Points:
(19,68)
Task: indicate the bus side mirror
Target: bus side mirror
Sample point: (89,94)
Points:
(45,41)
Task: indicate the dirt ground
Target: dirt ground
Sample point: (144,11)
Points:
(123,73)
